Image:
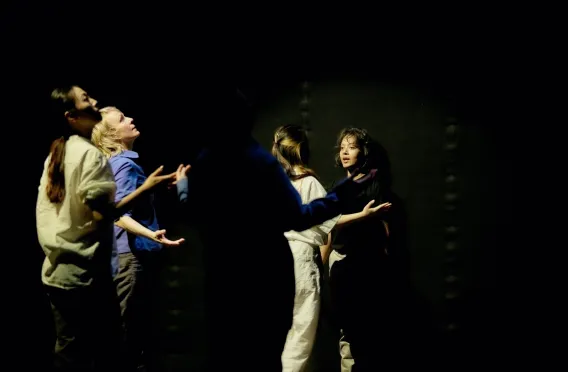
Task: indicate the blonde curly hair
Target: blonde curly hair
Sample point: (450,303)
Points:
(105,137)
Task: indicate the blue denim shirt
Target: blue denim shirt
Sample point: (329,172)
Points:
(129,176)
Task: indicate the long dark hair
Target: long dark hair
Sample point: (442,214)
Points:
(62,101)
(291,148)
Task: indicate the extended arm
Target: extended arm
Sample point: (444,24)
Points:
(124,205)
(134,227)
(97,186)
(367,212)
(292,213)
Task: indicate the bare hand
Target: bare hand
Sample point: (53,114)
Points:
(181,173)
(155,178)
(160,237)
(381,208)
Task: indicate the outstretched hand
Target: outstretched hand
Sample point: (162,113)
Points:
(180,174)
(368,211)
(160,237)
(155,178)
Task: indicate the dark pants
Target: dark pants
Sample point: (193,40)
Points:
(87,324)
(136,285)
(366,310)
(249,309)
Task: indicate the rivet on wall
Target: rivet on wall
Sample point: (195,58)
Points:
(451,197)
(174,268)
(305,106)
(451,245)
(173,328)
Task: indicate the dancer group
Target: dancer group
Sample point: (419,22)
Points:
(266,224)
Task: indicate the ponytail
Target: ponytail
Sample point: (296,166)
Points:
(62,101)
(56,178)
(292,151)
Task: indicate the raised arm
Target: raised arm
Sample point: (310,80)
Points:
(97,187)
(367,212)
(153,180)
(293,214)
(310,190)
(127,177)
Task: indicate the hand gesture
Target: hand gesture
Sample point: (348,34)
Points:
(160,237)
(155,178)
(180,173)
(381,208)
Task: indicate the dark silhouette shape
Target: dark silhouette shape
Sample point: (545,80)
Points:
(241,203)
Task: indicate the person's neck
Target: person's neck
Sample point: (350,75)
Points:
(359,175)
(85,134)
(298,171)
(83,128)
(128,146)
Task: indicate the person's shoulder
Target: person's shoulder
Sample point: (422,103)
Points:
(371,178)
(313,186)
(79,149)
(118,161)
(260,156)
(311,181)
(78,145)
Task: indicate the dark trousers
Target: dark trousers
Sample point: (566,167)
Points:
(87,324)
(249,308)
(366,310)
(136,284)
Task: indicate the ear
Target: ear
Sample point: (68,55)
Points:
(70,116)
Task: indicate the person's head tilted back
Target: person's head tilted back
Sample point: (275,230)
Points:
(74,112)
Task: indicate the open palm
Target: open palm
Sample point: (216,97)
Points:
(160,236)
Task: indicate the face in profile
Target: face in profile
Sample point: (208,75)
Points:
(125,129)
(83,101)
(349,152)
(86,114)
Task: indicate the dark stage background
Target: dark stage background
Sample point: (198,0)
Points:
(431,111)
(452,251)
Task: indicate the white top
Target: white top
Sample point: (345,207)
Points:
(75,245)
(309,189)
